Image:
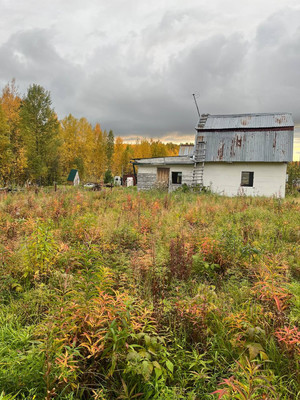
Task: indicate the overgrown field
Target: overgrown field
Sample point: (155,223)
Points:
(126,295)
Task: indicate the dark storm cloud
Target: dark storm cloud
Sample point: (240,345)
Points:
(141,83)
(153,102)
(31,58)
(275,68)
(230,74)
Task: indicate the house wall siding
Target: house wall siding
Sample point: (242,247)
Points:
(248,146)
(223,178)
(147,176)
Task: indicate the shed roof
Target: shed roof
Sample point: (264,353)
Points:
(186,150)
(245,121)
(178,160)
(72,175)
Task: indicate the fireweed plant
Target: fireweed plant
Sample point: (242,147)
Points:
(124,295)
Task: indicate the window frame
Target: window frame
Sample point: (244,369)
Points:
(175,176)
(249,178)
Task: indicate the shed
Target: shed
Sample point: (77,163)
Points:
(73,178)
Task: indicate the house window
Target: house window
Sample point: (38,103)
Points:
(176,178)
(247,178)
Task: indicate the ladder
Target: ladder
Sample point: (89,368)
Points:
(199,160)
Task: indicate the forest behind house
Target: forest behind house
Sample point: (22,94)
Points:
(36,147)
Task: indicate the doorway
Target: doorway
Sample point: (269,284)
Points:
(163,177)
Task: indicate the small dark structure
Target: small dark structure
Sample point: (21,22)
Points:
(73,178)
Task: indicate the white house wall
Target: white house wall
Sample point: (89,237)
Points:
(223,178)
(187,171)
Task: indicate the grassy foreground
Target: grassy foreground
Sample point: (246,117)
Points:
(126,295)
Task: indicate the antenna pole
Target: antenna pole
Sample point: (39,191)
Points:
(196,104)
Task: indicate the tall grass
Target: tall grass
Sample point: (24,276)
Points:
(120,294)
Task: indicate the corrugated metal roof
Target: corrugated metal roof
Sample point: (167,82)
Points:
(186,150)
(248,146)
(245,121)
(264,137)
(164,160)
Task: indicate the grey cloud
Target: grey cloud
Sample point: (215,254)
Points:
(152,101)
(176,26)
(275,63)
(142,83)
(30,57)
(161,101)
(270,33)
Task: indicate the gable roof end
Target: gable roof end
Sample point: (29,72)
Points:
(245,121)
(72,175)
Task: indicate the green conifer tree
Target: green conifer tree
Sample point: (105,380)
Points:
(40,129)
(110,148)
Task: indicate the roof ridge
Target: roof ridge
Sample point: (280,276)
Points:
(245,114)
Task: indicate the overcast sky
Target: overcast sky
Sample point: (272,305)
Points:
(133,65)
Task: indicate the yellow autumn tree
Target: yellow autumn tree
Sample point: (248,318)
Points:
(119,148)
(154,148)
(172,149)
(127,155)
(83,148)
(158,149)
(71,156)
(16,157)
(99,156)
(5,153)
(88,148)
(142,149)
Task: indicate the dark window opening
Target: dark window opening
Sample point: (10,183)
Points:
(247,178)
(176,178)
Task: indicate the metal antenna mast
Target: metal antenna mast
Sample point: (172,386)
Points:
(196,104)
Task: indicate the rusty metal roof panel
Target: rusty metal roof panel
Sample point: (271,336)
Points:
(186,150)
(249,146)
(245,121)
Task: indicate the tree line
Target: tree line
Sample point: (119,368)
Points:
(37,147)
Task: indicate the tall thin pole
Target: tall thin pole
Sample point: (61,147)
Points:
(196,104)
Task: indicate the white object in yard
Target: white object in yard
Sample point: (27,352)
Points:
(129,181)
(117,180)
(89,185)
